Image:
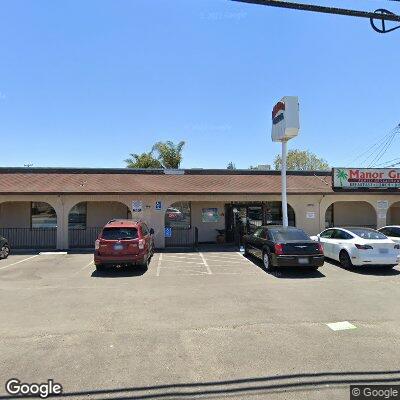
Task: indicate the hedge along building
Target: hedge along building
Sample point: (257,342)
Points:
(66,208)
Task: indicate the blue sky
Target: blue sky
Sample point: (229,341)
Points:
(85,83)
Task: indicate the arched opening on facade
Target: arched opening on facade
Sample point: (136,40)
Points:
(393,214)
(350,213)
(28,224)
(87,218)
(179,231)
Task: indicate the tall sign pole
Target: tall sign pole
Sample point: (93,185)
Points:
(284,192)
(285,126)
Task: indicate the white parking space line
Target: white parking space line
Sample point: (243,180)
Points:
(245,258)
(159,264)
(205,264)
(341,326)
(20,261)
(84,267)
(180,257)
(53,253)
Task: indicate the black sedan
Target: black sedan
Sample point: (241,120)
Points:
(4,248)
(277,247)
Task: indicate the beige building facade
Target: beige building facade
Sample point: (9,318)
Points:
(314,207)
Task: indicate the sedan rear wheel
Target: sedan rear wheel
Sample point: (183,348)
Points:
(345,260)
(267,262)
(4,252)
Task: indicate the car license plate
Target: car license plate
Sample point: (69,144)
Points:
(383,251)
(118,247)
(303,260)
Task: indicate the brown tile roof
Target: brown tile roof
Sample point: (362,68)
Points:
(102,181)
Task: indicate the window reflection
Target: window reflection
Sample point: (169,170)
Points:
(43,215)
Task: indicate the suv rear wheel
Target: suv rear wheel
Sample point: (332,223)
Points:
(99,267)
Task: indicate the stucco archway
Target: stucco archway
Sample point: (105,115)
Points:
(350,213)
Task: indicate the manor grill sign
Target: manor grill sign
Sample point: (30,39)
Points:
(355,178)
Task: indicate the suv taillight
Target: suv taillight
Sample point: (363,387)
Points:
(141,244)
(97,244)
(278,249)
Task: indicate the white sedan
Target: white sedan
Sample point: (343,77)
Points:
(359,246)
(392,232)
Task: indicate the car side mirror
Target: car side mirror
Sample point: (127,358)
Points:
(151,231)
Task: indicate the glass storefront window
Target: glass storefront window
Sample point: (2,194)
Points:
(77,216)
(178,215)
(43,215)
(273,213)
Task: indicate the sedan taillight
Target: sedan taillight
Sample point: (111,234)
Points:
(278,249)
(364,247)
(320,248)
(97,244)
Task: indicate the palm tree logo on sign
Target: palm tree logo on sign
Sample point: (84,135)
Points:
(341,174)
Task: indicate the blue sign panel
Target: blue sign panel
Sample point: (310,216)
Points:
(168,232)
(158,205)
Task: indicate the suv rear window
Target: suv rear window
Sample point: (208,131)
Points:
(290,234)
(119,233)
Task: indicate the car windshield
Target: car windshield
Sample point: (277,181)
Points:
(367,233)
(119,233)
(289,234)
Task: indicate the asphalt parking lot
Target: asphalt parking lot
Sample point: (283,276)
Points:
(210,324)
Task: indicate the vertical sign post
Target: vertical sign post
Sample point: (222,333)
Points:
(285,126)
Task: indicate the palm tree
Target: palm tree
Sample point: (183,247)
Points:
(144,160)
(169,154)
(341,175)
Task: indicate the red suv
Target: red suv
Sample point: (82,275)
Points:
(124,241)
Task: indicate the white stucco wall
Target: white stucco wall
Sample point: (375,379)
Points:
(99,213)
(207,230)
(354,213)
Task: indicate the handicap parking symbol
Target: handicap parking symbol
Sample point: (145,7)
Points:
(168,232)
(158,205)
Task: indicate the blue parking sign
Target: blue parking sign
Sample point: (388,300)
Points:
(158,205)
(168,232)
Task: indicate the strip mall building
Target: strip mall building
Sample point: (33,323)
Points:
(66,208)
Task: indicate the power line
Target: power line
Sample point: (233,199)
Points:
(325,9)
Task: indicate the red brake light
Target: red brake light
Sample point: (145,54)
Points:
(278,249)
(321,248)
(364,247)
(141,244)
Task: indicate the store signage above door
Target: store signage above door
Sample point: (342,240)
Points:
(356,178)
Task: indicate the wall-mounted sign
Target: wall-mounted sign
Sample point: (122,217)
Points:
(355,178)
(209,215)
(137,206)
(310,214)
(167,231)
(382,204)
(158,205)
